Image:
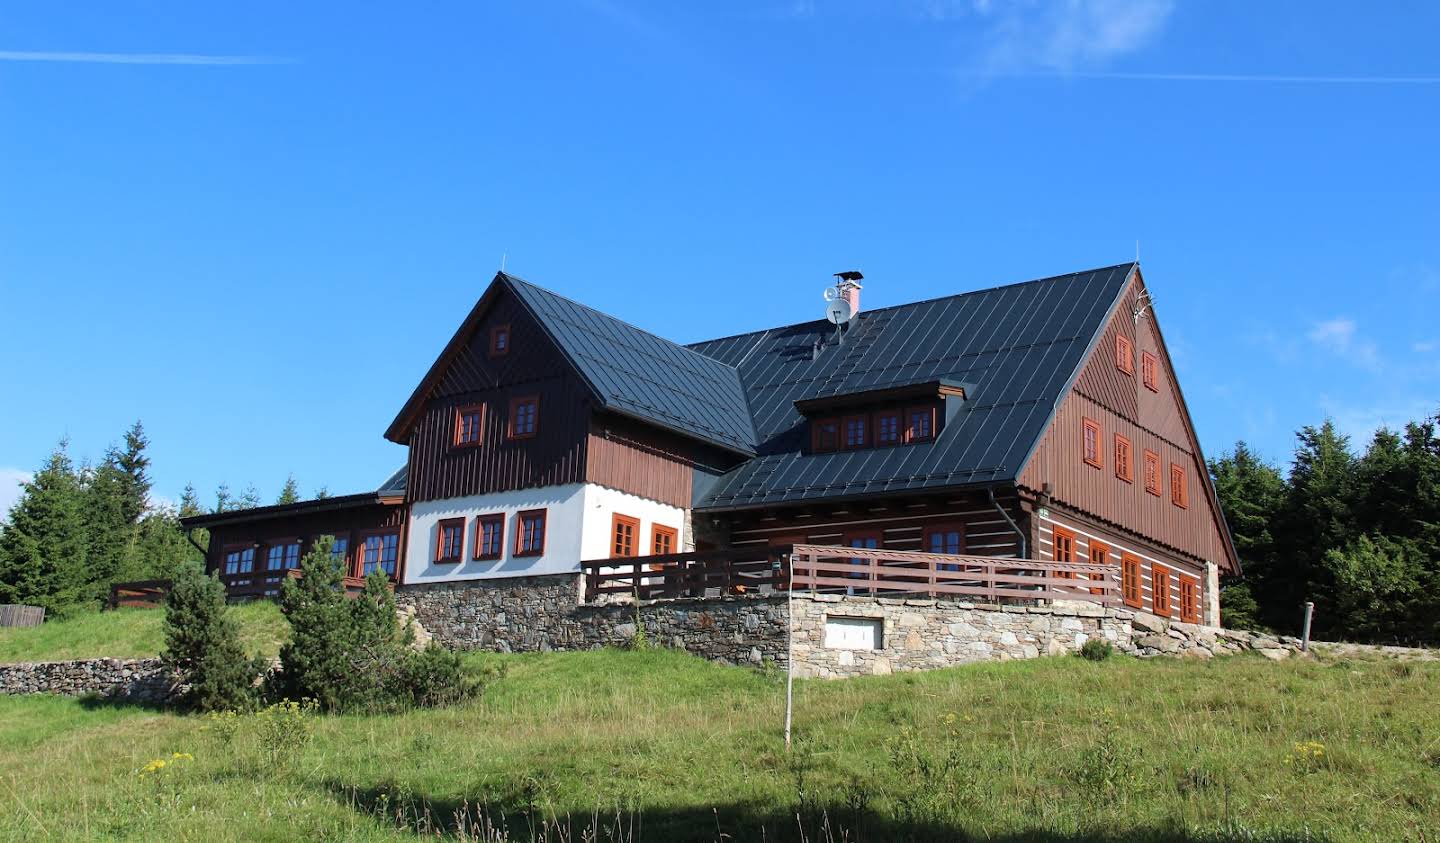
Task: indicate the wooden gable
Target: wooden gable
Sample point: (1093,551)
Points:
(1151,421)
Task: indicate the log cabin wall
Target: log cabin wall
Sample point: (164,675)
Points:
(898,523)
(350,523)
(531,366)
(1151,420)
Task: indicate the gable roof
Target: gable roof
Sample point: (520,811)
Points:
(625,369)
(1020,346)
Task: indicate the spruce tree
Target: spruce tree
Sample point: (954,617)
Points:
(1316,516)
(190,506)
(224,502)
(249,499)
(134,465)
(316,663)
(202,644)
(43,549)
(110,533)
(289,493)
(1251,492)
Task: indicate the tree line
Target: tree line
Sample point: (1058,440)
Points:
(77,529)
(1356,534)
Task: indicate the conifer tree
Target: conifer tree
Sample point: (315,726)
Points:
(190,506)
(202,644)
(134,465)
(43,549)
(109,532)
(1251,492)
(316,662)
(289,493)
(249,499)
(223,500)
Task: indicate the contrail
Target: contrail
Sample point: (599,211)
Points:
(137,58)
(1226,77)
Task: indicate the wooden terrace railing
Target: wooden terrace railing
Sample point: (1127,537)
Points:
(851,570)
(254,584)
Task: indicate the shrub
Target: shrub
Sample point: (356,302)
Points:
(202,644)
(1096,650)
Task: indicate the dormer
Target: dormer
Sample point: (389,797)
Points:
(906,414)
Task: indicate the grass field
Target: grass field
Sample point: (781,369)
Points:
(656,746)
(129,633)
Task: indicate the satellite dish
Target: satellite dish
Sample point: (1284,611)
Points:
(830,294)
(839,311)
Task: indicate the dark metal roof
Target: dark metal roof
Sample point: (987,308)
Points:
(1016,348)
(394,486)
(395,483)
(636,373)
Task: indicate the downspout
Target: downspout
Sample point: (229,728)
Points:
(1019,534)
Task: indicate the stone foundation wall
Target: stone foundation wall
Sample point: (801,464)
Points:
(138,680)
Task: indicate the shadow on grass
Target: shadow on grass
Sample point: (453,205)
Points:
(510,819)
(99,702)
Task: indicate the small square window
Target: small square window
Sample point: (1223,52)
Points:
(489,536)
(663,540)
(469,425)
(499,340)
(624,536)
(530,533)
(524,417)
(1090,444)
(919,424)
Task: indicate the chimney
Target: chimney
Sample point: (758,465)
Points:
(848,283)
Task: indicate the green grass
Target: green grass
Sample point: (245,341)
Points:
(1053,750)
(129,633)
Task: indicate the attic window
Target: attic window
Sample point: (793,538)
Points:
(824,435)
(1124,459)
(468,424)
(524,417)
(887,427)
(500,340)
(1152,473)
(1124,354)
(1090,442)
(1179,489)
(857,431)
(1149,371)
(919,424)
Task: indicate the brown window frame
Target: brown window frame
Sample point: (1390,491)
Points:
(865,441)
(1160,596)
(1095,548)
(515,404)
(503,329)
(478,545)
(899,439)
(1152,458)
(817,445)
(617,520)
(380,533)
(477,410)
(1150,371)
(343,535)
(1179,489)
(908,427)
(240,549)
(1124,354)
(441,557)
(658,530)
(944,527)
(1132,585)
(1189,600)
(520,519)
(1057,533)
(1087,425)
(1124,468)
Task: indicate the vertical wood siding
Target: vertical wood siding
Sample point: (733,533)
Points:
(1151,421)
(349,522)
(638,459)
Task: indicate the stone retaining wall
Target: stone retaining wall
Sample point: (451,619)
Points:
(137,680)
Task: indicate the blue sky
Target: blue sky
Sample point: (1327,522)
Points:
(254,226)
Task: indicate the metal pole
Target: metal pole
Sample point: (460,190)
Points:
(1305,632)
(789,646)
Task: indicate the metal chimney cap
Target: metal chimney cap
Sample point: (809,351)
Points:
(849,275)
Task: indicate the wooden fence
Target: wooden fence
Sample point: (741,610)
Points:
(14,614)
(991,579)
(139,594)
(265,585)
(849,570)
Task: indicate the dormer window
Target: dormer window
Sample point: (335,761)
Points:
(824,435)
(887,428)
(881,418)
(499,340)
(919,424)
(857,431)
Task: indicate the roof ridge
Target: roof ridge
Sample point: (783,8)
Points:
(920,301)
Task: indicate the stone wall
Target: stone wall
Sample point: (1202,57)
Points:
(923,634)
(137,680)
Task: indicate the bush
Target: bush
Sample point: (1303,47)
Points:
(1096,650)
(351,654)
(202,644)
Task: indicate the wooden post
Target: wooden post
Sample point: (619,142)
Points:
(1305,630)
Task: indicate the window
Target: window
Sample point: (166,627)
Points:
(945,538)
(1149,371)
(868,541)
(887,427)
(1099,555)
(1179,489)
(1090,443)
(857,431)
(283,555)
(1124,354)
(919,424)
(1130,581)
(240,560)
(1124,461)
(489,536)
(530,533)
(824,435)
(1152,473)
(341,548)
(274,557)
(624,536)
(1064,551)
(524,416)
(1160,590)
(450,540)
(663,540)
(1189,601)
(468,424)
(499,340)
(379,551)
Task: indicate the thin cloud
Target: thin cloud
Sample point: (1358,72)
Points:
(1340,337)
(1058,36)
(138,58)
(1235,77)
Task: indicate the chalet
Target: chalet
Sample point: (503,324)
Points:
(1039,423)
